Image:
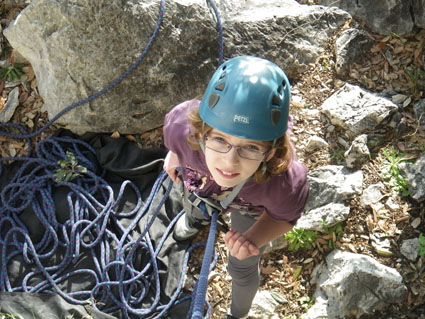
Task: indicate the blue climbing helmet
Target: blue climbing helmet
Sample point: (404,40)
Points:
(247,97)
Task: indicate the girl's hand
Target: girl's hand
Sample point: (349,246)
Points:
(171,163)
(239,246)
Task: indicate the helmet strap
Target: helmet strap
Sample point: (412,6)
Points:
(201,144)
(264,168)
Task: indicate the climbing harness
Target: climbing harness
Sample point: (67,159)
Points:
(92,209)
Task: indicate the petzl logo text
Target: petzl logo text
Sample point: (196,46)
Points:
(241,119)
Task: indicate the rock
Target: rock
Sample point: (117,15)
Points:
(79,47)
(9,108)
(17,3)
(265,304)
(391,205)
(327,215)
(419,12)
(386,16)
(415,176)
(332,184)
(350,285)
(315,143)
(358,153)
(357,110)
(372,194)
(351,45)
(409,248)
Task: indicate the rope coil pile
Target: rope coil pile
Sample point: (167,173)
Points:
(93,212)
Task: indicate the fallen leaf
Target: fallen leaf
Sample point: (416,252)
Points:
(116,134)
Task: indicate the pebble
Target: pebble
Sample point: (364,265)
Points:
(416,222)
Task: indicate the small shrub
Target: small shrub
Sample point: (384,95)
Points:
(69,168)
(335,232)
(300,238)
(391,171)
(12,72)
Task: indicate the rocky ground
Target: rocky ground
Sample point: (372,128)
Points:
(286,272)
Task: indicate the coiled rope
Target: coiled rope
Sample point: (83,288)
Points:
(93,211)
(92,208)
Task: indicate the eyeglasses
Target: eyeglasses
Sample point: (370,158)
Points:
(251,152)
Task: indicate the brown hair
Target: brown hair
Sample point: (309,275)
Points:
(278,164)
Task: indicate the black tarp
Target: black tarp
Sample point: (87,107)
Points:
(120,159)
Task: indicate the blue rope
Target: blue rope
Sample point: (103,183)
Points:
(220,32)
(201,288)
(93,211)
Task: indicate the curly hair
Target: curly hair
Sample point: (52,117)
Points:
(279,163)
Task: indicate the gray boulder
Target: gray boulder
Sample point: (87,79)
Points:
(384,16)
(350,285)
(357,110)
(332,184)
(350,47)
(79,47)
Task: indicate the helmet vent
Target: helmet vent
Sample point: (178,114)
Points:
(279,90)
(284,84)
(222,75)
(213,99)
(275,116)
(276,100)
(220,86)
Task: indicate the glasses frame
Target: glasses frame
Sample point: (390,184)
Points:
(237,147)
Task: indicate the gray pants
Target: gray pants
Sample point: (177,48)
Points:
(245,273)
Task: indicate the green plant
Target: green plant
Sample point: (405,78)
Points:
(9,316)
(421,245)
(391,171)
(334,232)
(300,238)
(337,155)
(306,302)
(69,168)
(11,72)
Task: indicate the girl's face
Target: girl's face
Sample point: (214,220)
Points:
(229,169)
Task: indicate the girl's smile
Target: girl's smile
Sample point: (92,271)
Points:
(226,174)
(229,169)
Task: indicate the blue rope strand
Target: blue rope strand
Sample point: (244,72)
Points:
(202,284)
(220,32)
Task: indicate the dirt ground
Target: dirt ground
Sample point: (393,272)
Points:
(287,273)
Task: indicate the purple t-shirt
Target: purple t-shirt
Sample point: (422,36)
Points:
(283,196)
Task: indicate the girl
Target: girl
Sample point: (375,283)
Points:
(234,145)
